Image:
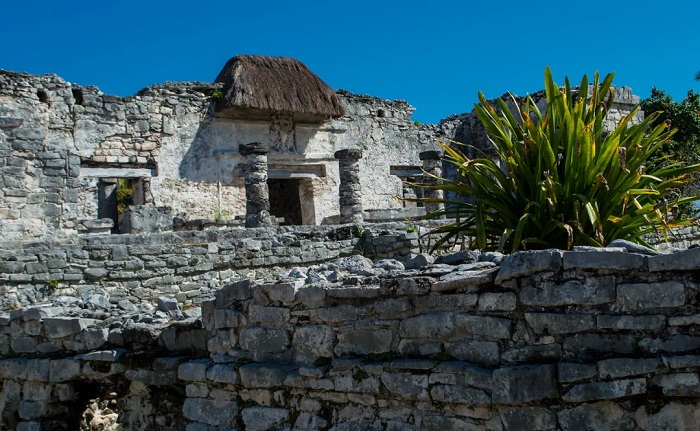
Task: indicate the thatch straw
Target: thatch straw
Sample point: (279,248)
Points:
(257,86)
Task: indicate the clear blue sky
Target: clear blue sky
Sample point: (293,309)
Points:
(436,55)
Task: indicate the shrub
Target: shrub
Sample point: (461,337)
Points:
(560,178)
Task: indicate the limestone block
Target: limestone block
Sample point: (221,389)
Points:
(228,319)
(217,412)
(513,385)
(38,370)
(263,340)
(337,314)
(230,293)
(572,372)
(625,367)
(528,418)
(605,258)
(494,327)
(62,370)
(597,416)
(605,390)
(264,418)
(392,306)
(524,263)
(259,313)
(553,323)
(459,394)
(678,384)
(193,371)
(406,385)
(497,301)
(462,280)
(262,375)
(314,341)
(643,296)
(223,373)
(35,391)
(593,291)
(59,327)
(639,323)
(429,325)
(533,353)
(478,352)
(23,344)
(672,416)
(364,341)
(686,260)
(467,374)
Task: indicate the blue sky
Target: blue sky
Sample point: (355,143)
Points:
(436,55)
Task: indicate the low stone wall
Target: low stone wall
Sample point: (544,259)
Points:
(549,340)
(185,265)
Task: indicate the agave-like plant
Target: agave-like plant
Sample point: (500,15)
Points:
(561,179)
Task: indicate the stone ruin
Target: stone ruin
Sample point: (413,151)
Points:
(259,282)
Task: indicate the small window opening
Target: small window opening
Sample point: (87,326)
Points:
(78,96)
(381,113)
(43,97)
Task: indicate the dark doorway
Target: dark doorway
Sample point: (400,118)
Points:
(284,200)
(107,203)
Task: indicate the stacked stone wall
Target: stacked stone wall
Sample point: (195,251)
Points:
(549,340)
(186,265)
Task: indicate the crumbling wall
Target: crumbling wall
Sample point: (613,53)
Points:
(548,340)
(599,339)
(185,265)
(385,132)
(58,139)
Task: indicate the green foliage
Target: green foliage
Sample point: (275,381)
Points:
(412,228)
(217,95)
(416,123)
(52,284)
(561,179)
(684,147)
(125,193)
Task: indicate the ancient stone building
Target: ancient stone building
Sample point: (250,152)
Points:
(64,147)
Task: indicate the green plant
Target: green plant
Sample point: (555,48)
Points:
(562,179)
(416,123)
(52,284)
(217,95)
(412,228)
(125,192)
(684,147)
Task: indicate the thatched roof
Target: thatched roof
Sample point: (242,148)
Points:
(256,87)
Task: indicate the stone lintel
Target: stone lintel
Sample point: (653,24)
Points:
(253,148)
(348,153)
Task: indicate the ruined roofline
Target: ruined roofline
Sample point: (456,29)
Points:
(623,96)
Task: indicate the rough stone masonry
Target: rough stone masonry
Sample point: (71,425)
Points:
(548,340)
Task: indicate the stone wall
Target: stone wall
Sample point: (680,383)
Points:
(186,265)
(549,340)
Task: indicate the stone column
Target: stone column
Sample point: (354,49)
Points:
(432,164)
(350,192)
(257,206)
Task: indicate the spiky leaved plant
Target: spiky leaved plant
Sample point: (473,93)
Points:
(561,179)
